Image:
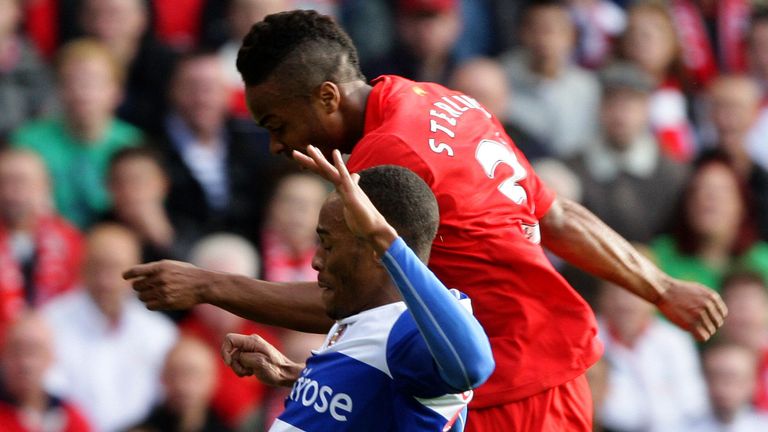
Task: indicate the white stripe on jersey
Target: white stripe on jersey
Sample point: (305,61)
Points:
(281,426)
(365,339)
(446,405)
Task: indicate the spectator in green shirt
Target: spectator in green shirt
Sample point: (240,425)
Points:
(77,145)
(714,231)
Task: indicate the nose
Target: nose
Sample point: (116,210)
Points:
(317,260)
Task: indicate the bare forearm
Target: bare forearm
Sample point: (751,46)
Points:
(296,306)
(581,238)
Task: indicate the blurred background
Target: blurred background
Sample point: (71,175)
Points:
(124,138)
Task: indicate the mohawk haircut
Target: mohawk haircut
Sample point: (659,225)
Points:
(406,202)
(303,47)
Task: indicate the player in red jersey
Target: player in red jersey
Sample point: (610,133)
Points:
(304,86)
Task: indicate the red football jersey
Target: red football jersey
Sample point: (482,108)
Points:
(542,332)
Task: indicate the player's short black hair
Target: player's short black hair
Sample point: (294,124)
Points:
(406,202)
(303,46)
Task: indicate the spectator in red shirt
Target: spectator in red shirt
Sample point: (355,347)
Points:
(288,240)
(712,34)
(650,41)
(25,406)
(236,401)
(40,252)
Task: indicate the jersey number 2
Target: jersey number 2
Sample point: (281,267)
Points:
(490,154)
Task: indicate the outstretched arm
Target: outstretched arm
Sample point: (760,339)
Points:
(177,285)
(581,238)
(458,344)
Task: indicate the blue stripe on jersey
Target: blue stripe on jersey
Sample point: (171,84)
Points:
(456,340)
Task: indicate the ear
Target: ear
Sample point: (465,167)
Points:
(329,96)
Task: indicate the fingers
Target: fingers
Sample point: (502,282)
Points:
(721,308)
(715,310)
(328,171)
(305,161)
(141,270)
(706,326)
(227,350)
(341,167)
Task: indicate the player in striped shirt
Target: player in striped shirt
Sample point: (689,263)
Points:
(404,353)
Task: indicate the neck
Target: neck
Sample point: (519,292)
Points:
(724,416)
(355,100)
(629,336)
(207,138)
(89,131)
(716,250)
(125,50)
(432,68)
(387,293)
(734,146)
(192,420)
(35,400)
(23,224)
(547,68)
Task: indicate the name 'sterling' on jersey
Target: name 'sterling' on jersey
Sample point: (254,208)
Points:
(444,118)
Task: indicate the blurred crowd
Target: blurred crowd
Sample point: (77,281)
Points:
(125,138)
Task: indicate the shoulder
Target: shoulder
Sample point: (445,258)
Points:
(30,133)
(76,421)
(60,310)
(389,148)
(157,324)
(579,77)
(666,334)
(664,246)
(125,133)
(757,257)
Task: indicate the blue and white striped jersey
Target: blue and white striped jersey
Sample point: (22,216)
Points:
(379,376)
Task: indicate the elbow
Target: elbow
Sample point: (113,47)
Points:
(477,369)
(481,369)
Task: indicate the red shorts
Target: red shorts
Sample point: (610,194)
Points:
(565,408)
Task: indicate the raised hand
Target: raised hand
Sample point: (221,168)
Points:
(693,307)
(361,216)
(252,355)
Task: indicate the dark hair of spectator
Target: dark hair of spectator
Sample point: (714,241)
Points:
(303,47)
(141,152)
(687,241)
(759,16)
(194,55)
(406,202)
(535,5)
(742,277)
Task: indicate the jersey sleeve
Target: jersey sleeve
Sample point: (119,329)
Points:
(449,350)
